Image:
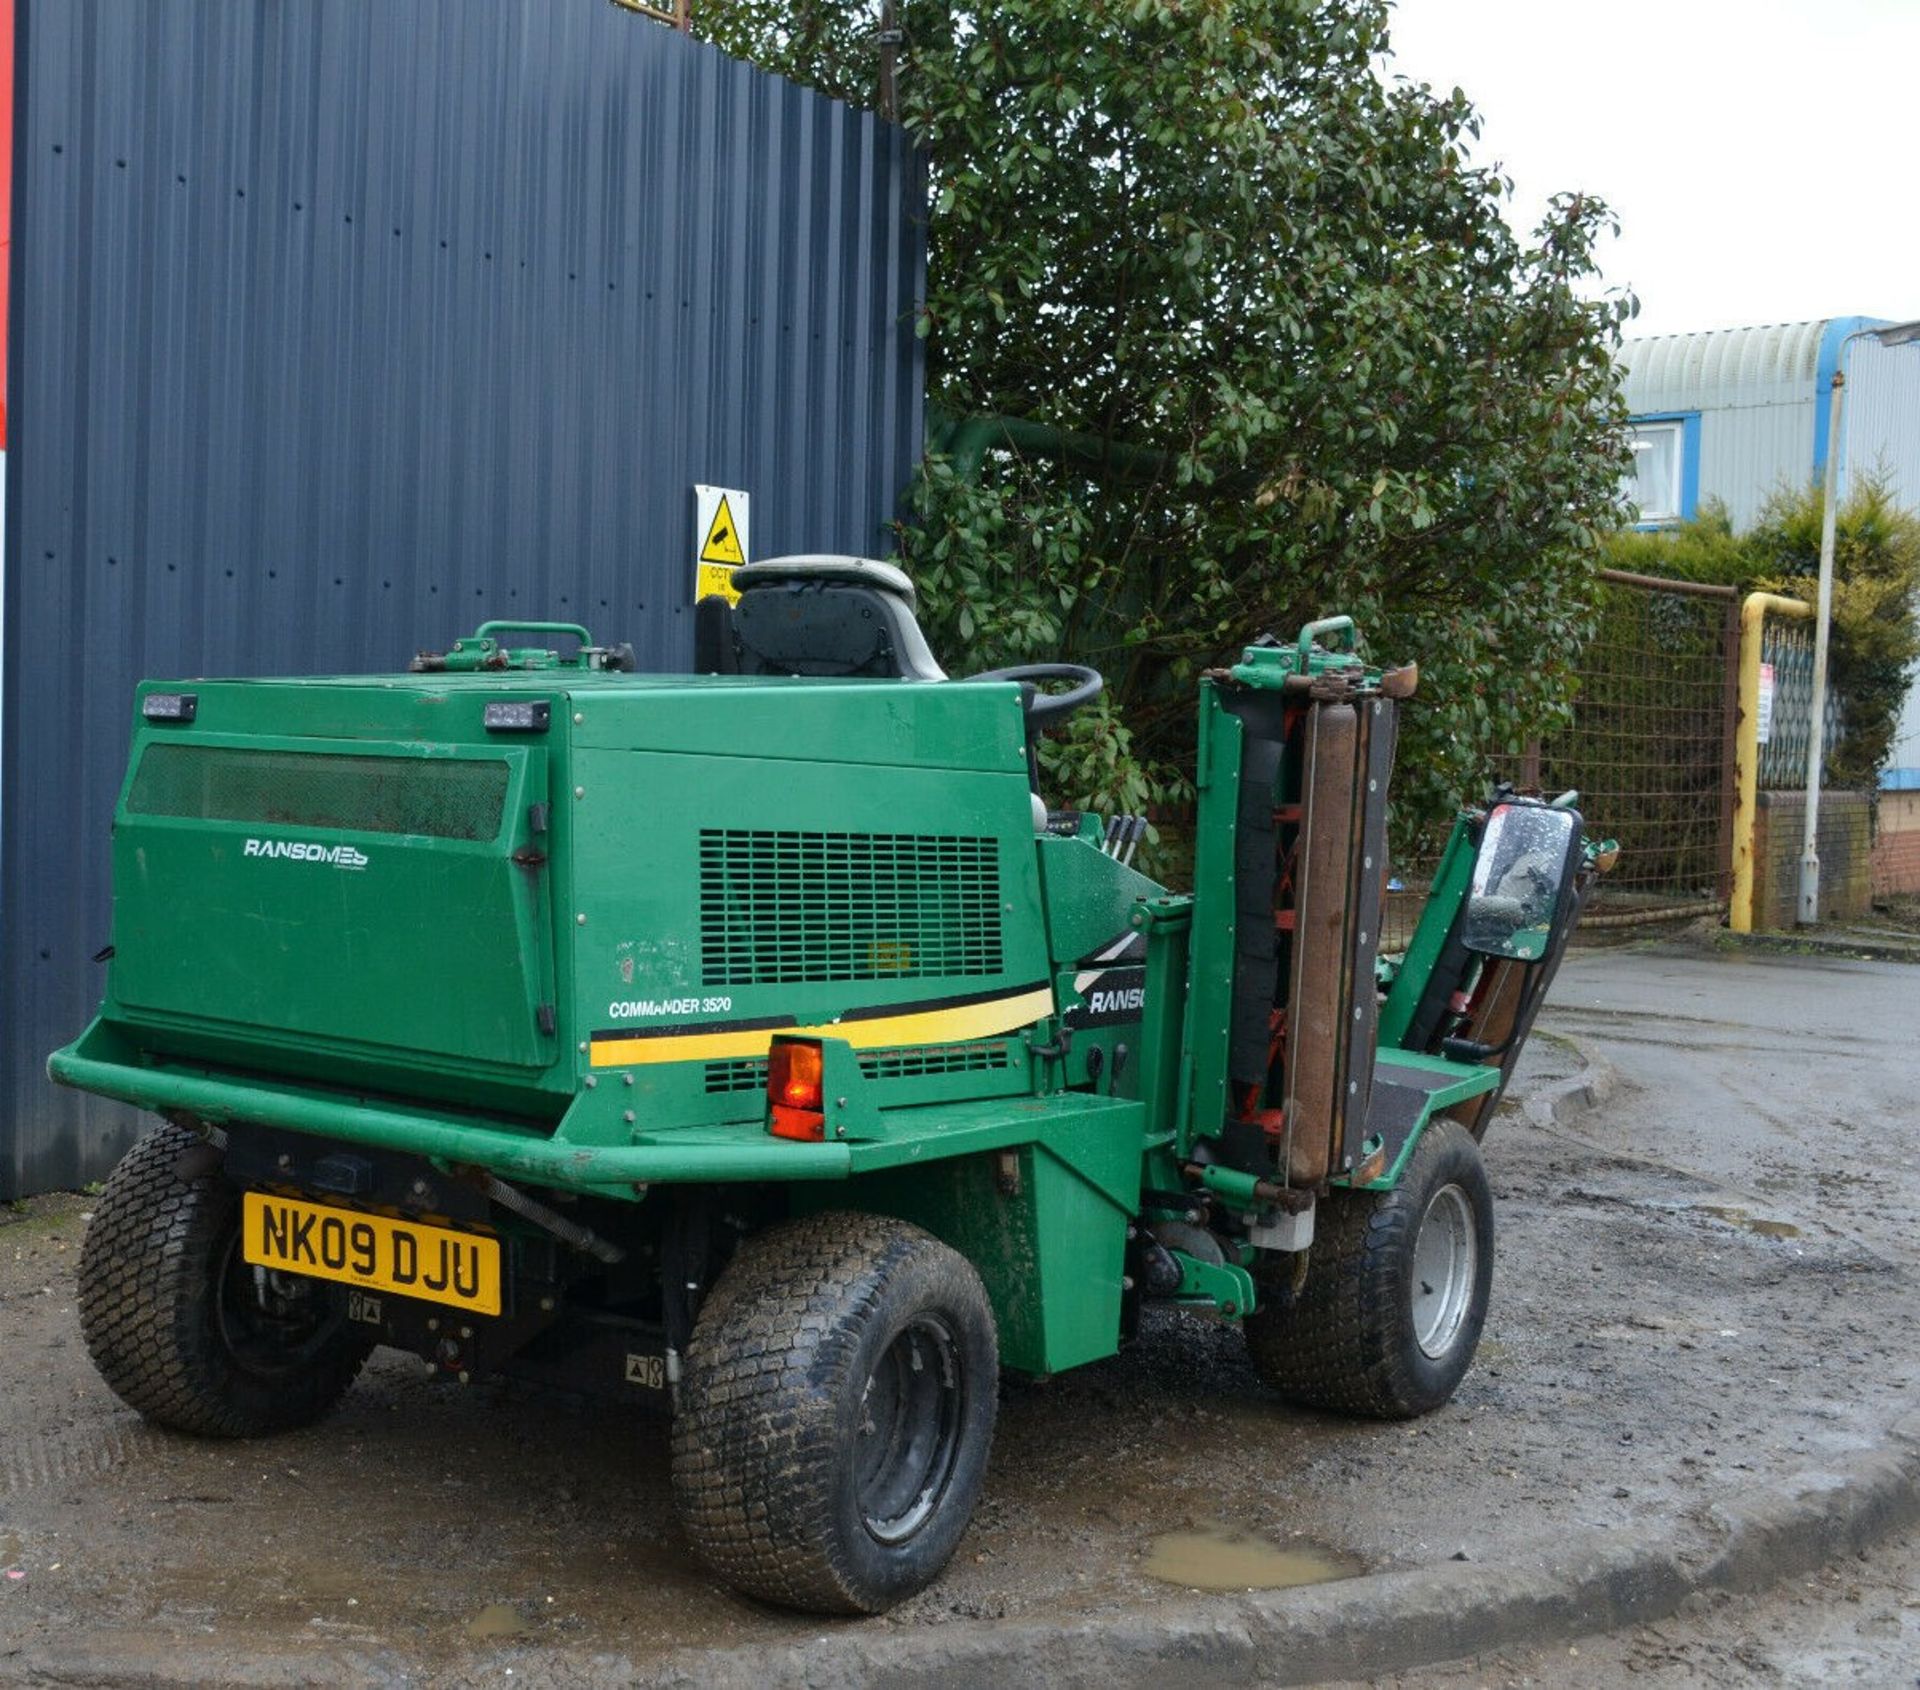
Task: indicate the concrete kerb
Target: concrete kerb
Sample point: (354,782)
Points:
(1384,1622)
(1852,944)
(1586,1092)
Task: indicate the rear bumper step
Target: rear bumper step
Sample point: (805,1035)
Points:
(695,1155)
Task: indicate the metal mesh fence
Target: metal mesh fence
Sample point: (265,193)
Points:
(1650,750)
(1786,650)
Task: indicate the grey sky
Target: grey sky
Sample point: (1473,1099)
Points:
(1763,157)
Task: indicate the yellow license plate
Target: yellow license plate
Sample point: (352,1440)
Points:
(372,1251)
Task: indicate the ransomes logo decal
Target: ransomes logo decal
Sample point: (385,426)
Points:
(305,851)
(1109,997)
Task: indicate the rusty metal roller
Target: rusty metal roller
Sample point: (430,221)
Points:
(1316,1017)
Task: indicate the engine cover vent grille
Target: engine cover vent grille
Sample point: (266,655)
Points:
(741,1074)
(777,907)
(910,1062)
(902,1062)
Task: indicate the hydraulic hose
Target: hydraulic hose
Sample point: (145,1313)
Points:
(568,1232)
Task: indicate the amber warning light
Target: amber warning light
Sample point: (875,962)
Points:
(793,1090)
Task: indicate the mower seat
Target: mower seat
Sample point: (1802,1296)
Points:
(840,616)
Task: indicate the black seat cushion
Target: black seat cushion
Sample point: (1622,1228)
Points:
(829,628)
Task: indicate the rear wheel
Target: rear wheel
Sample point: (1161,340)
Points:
(1396,1290)
(181,1327)
(836,1412)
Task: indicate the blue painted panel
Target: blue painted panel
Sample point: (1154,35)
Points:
(1831,339)
(338,328)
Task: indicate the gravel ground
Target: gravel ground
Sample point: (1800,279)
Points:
(1679,1319)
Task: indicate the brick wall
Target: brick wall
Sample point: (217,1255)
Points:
(1846,857)
(1896,852)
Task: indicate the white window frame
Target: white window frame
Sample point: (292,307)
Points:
(1640,432)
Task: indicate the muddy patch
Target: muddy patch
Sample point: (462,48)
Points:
(496,1621)
(1215,1558)
(1760,1225)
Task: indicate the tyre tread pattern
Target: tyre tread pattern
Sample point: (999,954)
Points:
(147,1284)
(1337,1344)
(758,1425)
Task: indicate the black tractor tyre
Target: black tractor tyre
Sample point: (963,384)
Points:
(180,1327)
(835,1413)
(1388,1316)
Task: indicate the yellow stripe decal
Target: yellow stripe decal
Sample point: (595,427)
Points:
(923,1026)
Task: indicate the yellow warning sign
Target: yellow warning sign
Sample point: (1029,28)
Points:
(722,544)
(709,578)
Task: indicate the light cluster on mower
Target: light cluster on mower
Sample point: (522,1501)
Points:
(796,1108)
(170,706)
(517,715)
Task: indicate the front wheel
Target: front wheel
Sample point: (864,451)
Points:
(1395,1293)
(181,1327)
(832,1429)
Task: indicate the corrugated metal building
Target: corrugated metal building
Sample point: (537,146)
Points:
(340,328)
(1735,414)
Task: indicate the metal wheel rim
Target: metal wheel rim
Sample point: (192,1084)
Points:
(907,1439)
(259,1342)
(1445,1255)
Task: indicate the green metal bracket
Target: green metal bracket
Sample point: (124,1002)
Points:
(1227,1288)
(1236,1189)
(495,629)
(1326,625)
(483,649)
(1271,666)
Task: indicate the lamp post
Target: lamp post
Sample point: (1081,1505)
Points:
(1893,334)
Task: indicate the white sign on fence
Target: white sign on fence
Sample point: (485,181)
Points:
(1763,714)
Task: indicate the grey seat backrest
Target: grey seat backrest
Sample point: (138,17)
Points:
(828,615)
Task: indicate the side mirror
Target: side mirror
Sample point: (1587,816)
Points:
(1520,876)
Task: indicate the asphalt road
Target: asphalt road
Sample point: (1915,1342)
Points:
(1705,1290)
(1799,1078)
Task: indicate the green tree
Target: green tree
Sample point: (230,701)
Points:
(1295,362)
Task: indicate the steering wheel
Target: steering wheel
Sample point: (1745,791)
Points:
(1046,708)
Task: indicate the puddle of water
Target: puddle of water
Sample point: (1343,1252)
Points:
(496,1620)
(1214,1558)
(1748,1222)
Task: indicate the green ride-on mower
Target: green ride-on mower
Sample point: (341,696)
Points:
(758,1044)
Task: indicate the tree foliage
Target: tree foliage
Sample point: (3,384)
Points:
(1305,364)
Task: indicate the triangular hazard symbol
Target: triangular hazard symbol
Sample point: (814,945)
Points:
(722,544)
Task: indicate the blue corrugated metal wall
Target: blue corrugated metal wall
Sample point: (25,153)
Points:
(338,328)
